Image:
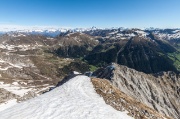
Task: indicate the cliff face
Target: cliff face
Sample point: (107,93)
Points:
(159,91)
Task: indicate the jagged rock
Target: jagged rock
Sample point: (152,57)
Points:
(120,101)
(159,91)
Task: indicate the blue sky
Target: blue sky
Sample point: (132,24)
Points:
(88,13)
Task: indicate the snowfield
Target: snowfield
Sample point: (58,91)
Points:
(76,99)
(8,104)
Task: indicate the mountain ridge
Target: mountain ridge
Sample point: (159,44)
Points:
(159,91)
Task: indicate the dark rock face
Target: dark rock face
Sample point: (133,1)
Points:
(159,91)
(72,51)
(74,66)
(144,55)
(102,58)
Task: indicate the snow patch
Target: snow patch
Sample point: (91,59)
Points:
(8,104)
(15,89)
(75,72)
(76,99)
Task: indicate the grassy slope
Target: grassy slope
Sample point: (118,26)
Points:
(175,57)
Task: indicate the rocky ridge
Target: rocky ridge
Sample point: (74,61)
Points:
(121,102)
(159,91)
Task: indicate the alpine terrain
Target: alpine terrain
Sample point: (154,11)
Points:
(130,73)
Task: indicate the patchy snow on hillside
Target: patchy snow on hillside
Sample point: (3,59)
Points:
(76,99)
(15,88)
(141,33)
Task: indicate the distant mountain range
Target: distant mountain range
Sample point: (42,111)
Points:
(56,31)
(45,31)
(144,50)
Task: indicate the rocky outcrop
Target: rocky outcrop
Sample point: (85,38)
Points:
(121,102)
(159,91)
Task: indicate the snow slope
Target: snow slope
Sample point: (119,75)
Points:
(76,99)
(8,104)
